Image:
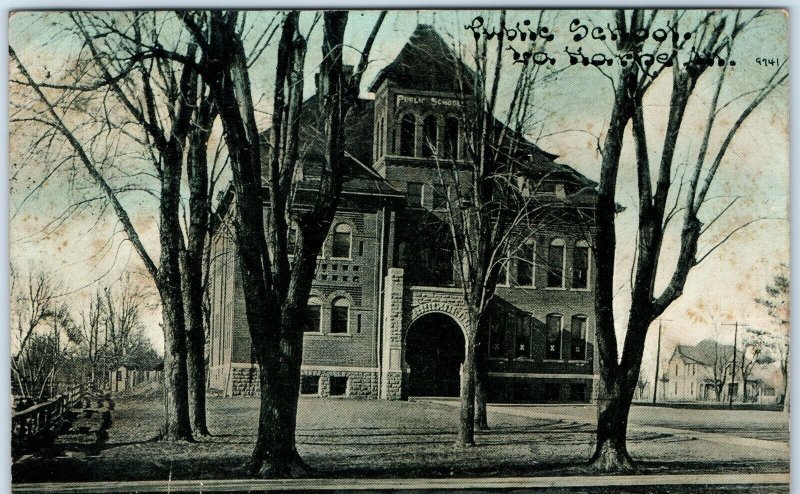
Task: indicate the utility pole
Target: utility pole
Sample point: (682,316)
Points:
(733,370)
(658,360)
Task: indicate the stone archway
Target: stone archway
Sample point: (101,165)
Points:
(434,352)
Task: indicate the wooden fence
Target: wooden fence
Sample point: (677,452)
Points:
(39,421)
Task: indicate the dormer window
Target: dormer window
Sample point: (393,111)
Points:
(407,130)
(561,192)
(429,134)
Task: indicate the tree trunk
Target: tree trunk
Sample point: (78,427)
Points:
(275,454)
(176,402)
(466,430)
(196,339)
(613,405)
(176,425)
(197,173)
(481,380)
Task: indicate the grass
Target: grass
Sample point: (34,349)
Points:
(371,438)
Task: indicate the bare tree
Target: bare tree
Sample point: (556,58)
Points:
(276,289)
(39,365)
(121,320)
(757,345)
(641,386)
(495,208)
(777,305)
(93,341)
(711,39)
(194,253)
(721,369)
(33,304)
(115,61)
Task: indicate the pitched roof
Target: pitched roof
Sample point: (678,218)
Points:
(426,62)
(359,175)
(707,352)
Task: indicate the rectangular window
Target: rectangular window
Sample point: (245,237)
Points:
(338,385)
(522,339)
(553,344)
(309,385)
(577,392)
(555,263)
(552,392)
(440,196)
(291,241)
(580,266)
(339,316)
(502,274)
(313,315)
(497,344)
(525,265)
(414,194)
(578,348)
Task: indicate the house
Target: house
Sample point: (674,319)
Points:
(386,317)
(702,372)
(131,374)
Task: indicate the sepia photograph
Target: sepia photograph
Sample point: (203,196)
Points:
(399,250)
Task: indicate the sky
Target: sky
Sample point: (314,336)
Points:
(574,109)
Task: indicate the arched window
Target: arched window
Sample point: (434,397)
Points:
(577,349)
(313,315)
(342,240)
(340,315)
(451,138)
(555,264)
(429,132)
(408,127)
(580,265)
(552,350)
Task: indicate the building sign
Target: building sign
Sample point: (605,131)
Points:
(424,100)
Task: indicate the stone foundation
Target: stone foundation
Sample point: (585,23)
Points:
(359,384)
(244,382)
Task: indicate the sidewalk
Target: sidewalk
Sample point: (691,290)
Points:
(730,439)
(496,483)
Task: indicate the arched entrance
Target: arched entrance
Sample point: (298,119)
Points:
(434,353)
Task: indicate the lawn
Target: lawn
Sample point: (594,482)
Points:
(371,438)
